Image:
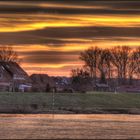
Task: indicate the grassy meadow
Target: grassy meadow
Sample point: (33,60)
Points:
(95,102)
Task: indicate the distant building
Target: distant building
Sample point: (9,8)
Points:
(45,83)
(63,84)
(102,87)
(13,78)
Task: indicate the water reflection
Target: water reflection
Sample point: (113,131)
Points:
(13,126)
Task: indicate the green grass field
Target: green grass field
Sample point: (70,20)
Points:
(70,103)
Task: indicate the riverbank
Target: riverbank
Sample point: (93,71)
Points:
(70,103)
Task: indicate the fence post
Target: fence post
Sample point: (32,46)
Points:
(53,104)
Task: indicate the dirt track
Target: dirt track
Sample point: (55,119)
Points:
(69,126)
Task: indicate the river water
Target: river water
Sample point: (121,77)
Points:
(48,126)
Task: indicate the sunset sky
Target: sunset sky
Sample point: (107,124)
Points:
(49,34)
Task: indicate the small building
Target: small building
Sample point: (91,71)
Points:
(46,83)
(102,87)
(63,84)
(13,78)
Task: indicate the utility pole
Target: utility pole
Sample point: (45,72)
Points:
(13,80)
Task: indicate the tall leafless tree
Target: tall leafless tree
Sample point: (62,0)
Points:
(137,53)
(104,64)
(98,61)
(90,58)
(134,64)
(120,59)
(7,54)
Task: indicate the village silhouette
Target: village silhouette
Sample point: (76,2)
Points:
(108,70)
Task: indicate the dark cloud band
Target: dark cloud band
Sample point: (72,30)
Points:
(19,14)
(63,36)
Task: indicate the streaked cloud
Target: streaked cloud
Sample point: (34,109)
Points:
(49,35)
(19,22)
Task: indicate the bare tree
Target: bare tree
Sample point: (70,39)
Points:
(79,72)
(90,58)
(120,59)
(7,54)
(104,64)
(98,62)
(134,64)
(80,79)
(137,61)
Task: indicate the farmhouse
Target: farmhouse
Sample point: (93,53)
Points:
(13,78)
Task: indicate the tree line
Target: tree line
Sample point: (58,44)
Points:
(121,62)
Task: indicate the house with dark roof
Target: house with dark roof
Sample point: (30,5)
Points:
(13,78)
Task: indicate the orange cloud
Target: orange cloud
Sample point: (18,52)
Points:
(15,22)
(19,22)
